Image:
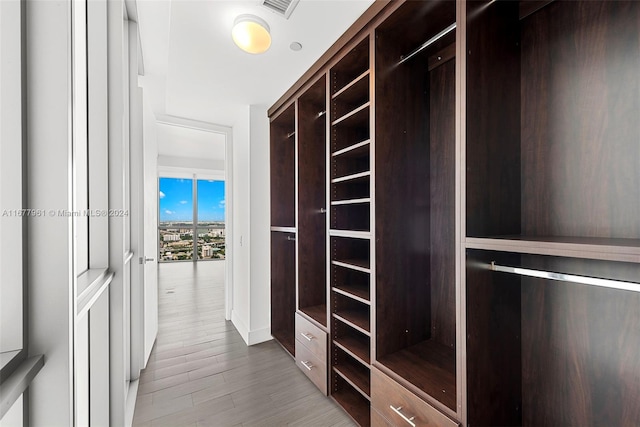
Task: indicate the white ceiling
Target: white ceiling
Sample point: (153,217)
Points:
(193,69)
(180,141)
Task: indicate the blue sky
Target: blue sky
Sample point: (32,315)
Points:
(176,200)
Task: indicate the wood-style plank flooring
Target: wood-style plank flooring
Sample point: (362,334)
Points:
(201,373)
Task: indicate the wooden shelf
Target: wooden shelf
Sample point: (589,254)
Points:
(361,149)
(358,115)
(625,250)
(283,229)
(353,374)
(358,348)
(357,319)
(353,86)
(430,367)
(317,313)
(354,264)
(351,201)
(361,176)
(354,234)
(358,293)
(353,403)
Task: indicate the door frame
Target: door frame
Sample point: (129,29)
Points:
(227,131)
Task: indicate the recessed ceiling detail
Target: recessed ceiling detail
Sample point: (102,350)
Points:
(281,7)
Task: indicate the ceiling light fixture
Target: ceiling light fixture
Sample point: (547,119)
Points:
(251,34)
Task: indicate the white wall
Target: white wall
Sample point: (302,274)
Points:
(50,254)
(241,225)
(11,184)
(260,325)
(251,302)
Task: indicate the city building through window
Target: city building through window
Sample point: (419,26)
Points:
(192,219)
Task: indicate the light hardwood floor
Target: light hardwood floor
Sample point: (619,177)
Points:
(201,373)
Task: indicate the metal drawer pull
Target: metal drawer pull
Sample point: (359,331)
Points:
(309,337)
(306,364)
(404,417)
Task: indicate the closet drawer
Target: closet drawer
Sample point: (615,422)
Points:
(378,420)
(312,367)
(312,337)
(401,407)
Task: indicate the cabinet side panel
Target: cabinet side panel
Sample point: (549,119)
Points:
(494,385)
(442,180)
(493,119)
(580,363)
(580,127)
(402,200)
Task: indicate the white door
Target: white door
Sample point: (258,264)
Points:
(150,234)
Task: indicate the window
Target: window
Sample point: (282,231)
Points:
(192,219)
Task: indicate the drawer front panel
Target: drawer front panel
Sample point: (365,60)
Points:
(312,337)
(378,420)
(312,367)
(401,407)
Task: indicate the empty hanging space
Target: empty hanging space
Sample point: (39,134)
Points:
(283,160)
(552,340)
(283,288)
(415,200)
(283,227)
(312,213)
(552,152)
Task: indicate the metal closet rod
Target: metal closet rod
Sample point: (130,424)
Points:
(428,43)
(562,277)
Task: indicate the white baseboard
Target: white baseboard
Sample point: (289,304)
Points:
(240,326)
(260,335)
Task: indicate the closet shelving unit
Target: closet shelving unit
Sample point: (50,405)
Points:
(283,161)
(552,161)
(481,213)
(415,200)
(349,195)
(312,212)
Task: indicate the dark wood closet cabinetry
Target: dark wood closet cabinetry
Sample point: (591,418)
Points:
(415,201)
(552,183)
(463,188)
(283,227)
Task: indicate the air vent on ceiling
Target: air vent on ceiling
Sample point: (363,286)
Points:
(281,7)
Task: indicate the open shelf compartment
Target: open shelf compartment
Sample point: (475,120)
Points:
(312,216)
(415,200)
(283,161)
(548,338)
(552,150)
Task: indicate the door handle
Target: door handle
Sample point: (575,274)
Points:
(144,260)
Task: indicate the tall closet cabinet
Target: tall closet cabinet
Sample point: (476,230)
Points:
(456,214)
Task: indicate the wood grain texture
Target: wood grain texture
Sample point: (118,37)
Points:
(312,198)
(579,347)
(442,216)
(580,128)
(202,373)
(283,289)
(402,199)
(494,380)
(493,119)
(282,158)
(387,393)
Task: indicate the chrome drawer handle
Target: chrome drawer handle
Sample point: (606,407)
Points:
(309,337)
(306,364)
(398,411)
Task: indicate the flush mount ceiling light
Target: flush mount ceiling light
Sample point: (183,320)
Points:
(251,34)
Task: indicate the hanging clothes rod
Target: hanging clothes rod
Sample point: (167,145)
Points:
(583,280)
(428,43)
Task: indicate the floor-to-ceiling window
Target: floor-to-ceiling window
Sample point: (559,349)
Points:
(192,213)
(210,219)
